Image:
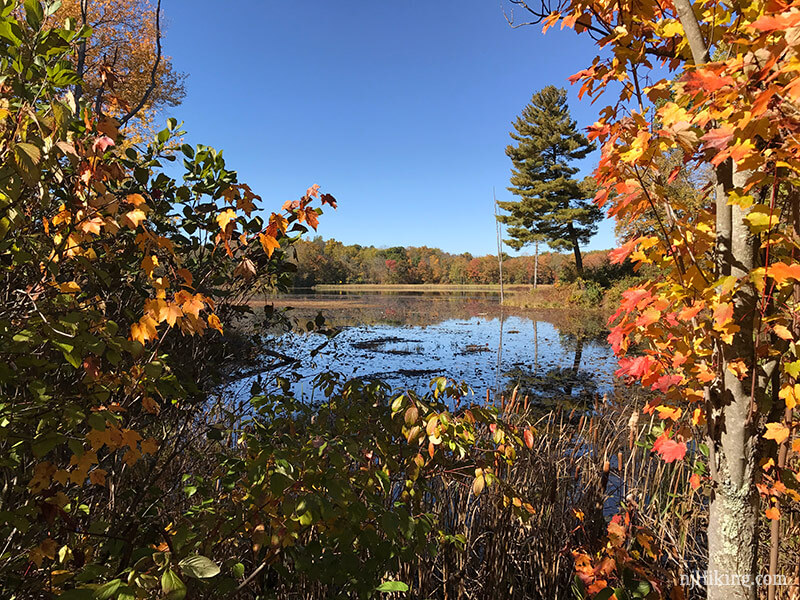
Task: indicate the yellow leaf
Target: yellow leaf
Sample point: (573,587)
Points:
(790,394)
(279,221)
(777,431)
(478,484)
(144,329)
(782,332)
(70,287)
(214,322)
(133,218)
(149,264)
(135,199)
(225,217)
(172,313)
(194,305)
(269,243)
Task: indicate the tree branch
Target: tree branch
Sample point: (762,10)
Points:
(153,72)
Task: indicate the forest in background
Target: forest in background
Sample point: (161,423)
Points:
(321,261)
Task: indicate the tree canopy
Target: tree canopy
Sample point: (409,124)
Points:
(553,206)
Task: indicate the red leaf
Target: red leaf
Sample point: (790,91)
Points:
(719,138)
(618,255)
(669,449)
(528,435)
(706,80)
(784,21)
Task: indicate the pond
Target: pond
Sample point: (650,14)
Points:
(408,338)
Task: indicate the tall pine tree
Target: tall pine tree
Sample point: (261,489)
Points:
(552,206)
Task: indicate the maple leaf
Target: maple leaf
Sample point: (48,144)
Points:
(328,199)
(194,305)
(669,412)
(102,144)
(98,476)
(186,275)
(133,218)
(633,298)
(91,226)
(172,313)
(214,322)
(722,314)
(689,313)
(135,199)
(144,329)
(780,272)
(279,221)
(245,269)
(225,217)
(780,22)
(790,394)
(269,243)
(777,432)
(719,138)
(149,446)
(648,317)
(669,449)
(705,79)
(618,255)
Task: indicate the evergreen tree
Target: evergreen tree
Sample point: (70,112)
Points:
(552,206)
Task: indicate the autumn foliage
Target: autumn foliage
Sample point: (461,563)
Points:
(715,332)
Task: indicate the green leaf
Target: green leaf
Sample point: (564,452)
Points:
(237,570)
(27,158)
(604,594)
(172,586)
(106,591)
(34,13)
(392,586)
(792,369)
(199,567)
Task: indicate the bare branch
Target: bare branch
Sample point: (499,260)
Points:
(153,72)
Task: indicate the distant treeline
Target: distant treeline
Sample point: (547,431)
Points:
(329,261)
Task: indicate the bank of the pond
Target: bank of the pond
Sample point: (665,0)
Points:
(578,294)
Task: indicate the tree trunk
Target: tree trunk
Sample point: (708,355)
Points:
(733,515)
(535,265)
(573,236)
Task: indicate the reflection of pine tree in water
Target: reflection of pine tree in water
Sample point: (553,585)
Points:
(555,385)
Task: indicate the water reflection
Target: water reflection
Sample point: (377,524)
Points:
(406,340)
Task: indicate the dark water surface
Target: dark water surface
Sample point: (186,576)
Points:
(407,338)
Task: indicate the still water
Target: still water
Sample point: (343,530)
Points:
(406,339)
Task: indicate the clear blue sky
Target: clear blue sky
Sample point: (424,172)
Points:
(399,109)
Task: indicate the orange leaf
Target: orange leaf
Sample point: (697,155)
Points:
(722,314)
(773,513)
(214,322)
(269,243)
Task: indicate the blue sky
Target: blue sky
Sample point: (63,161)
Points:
(399,109)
